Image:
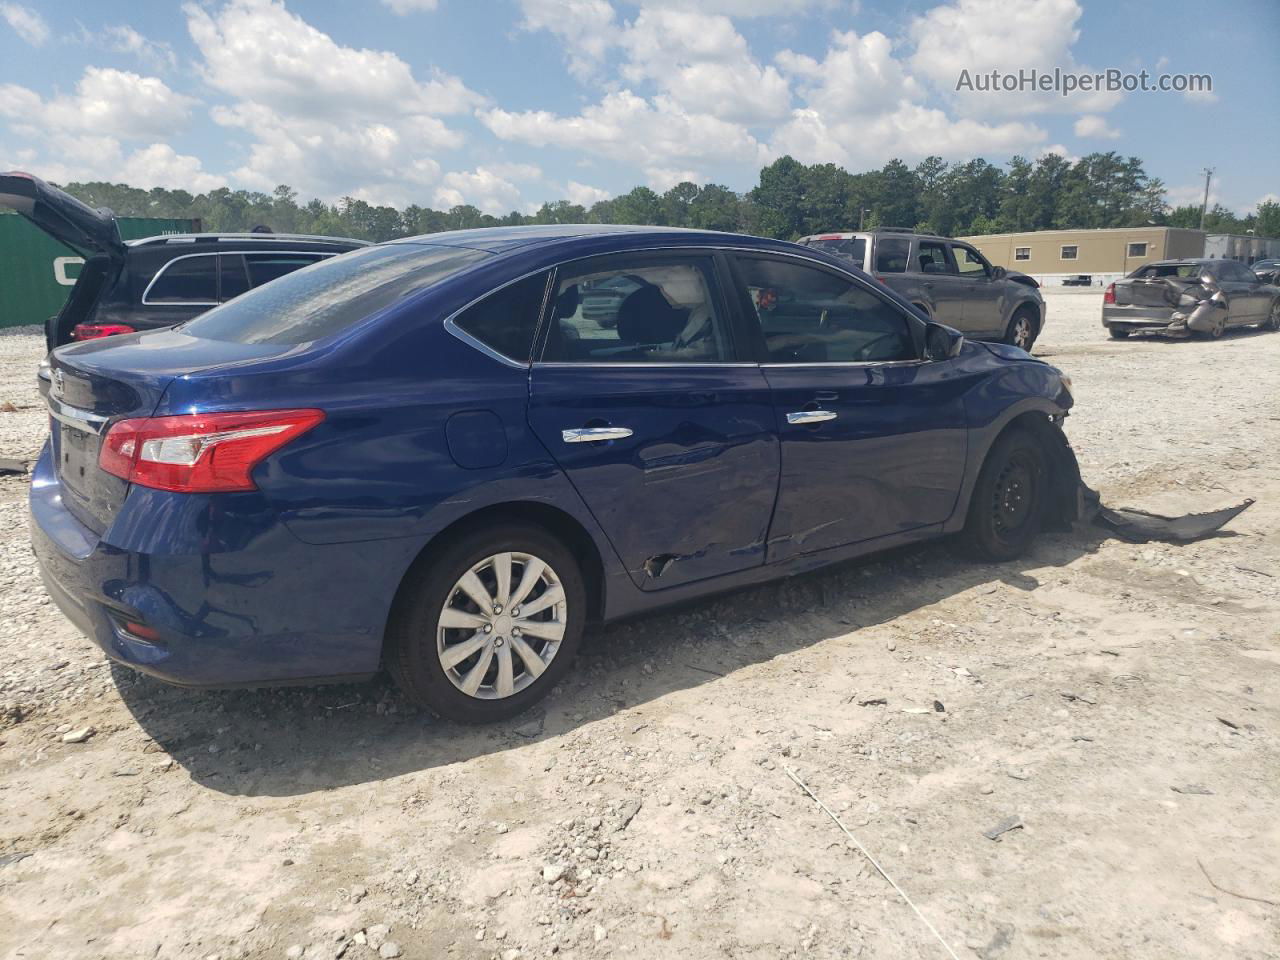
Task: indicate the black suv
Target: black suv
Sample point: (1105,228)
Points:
(947,280)
(126,286)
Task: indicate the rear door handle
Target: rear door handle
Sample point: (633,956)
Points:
(593,434)
(811,416)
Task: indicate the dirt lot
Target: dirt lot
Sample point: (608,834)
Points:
(1122,701)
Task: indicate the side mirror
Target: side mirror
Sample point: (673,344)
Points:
(942,342)
(999,273)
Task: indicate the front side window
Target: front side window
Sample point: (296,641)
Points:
(505,321)
(187,280)
(891,254)
(969,262)
(640,311)
(307,305)
(1069,251)
(932,258)
(1022,253)
(810,316)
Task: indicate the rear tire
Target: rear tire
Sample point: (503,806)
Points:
(1007,505)
(1118,333)
(449,653)
(1023,329)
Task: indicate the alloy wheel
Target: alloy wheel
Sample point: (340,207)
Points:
(501,625)
(1022,333)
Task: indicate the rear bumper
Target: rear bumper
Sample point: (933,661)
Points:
(227,611)
(1163,319)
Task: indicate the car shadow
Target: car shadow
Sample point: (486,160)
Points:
(295,741)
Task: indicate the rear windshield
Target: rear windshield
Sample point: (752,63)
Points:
(1186,271)
(325,298)
(854,249)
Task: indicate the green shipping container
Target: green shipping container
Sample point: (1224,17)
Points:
(37,273)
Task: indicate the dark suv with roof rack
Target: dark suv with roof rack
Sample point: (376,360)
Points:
(947,280)
(127,286)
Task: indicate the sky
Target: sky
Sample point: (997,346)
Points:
(505,104)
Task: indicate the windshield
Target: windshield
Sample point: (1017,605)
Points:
(853,248)
(325,298)
(1186,271)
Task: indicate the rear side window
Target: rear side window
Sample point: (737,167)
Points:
(891,254)
(234,280)
(638,311)
(506,321)
(190,280)
(309,304)
(810,316)
(265,267)
(932,258)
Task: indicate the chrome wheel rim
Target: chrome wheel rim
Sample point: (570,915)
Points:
(501,625)
(1022,333)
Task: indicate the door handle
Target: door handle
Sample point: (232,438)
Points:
(593,434)
(811,416)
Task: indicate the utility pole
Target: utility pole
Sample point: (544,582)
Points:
(1208,174)
(862,213)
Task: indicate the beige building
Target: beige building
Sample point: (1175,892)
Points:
(1052,256)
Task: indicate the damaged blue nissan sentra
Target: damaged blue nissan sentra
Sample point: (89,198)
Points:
(447,454)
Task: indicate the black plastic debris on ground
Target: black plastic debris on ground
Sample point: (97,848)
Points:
(1138,526)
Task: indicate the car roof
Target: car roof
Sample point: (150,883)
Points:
(188,238)
(1180,260)
(877,232)
(502,239)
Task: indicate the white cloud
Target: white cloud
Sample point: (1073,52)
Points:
(748,8)
(1200,96)
(629,129)
(66,158)
(586,27)
(663,179)
(125,39)
(26,23)
(326,118)
(1267,198)
(406,7)
(482,187)
(704,64)
(1092,125)
(107,102)
(1191,194)
(985,35)
(862,107)
(584,194)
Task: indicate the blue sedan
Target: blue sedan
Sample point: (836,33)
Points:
(446,455)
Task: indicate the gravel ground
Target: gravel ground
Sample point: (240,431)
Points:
(1121,702)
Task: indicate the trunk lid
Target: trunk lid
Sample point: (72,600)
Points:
(88,231)
(90,385)
(1150,291)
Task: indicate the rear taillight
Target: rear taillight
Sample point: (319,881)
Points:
(96,331)
(1110,295)
(200,452)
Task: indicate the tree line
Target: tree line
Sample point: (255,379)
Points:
(790,200)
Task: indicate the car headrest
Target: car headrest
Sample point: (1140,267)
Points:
(646,317)
(567,302)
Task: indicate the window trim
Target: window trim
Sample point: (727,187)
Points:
(217,274)
(720,276)
(1062,248)
(1017,250)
